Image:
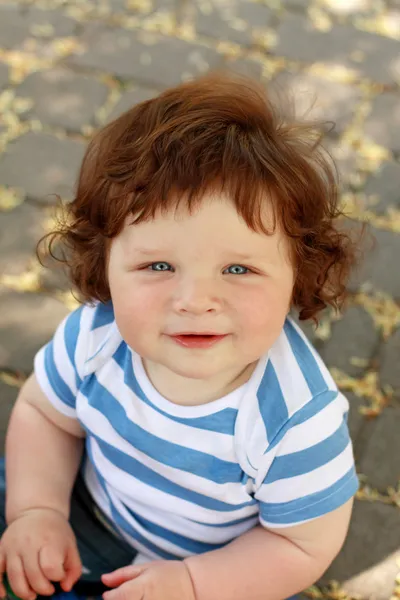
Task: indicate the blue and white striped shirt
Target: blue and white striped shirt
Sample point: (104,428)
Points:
(181,480)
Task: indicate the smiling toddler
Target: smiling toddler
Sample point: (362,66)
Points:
(179,437)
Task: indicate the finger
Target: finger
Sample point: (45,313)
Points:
(3,592)
(51,562)
(17,579)
(72,568)
(123,574)
(35,576)
(130,590)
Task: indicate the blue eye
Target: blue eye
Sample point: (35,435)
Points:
(240,267)
(158,263)
(165,269)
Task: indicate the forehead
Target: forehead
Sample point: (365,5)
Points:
(211,226)
(212,211)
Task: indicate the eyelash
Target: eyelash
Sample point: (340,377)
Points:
(146,267)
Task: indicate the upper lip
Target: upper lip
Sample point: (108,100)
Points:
(197,333)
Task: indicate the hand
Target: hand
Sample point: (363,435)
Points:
(35,549)
(158,580)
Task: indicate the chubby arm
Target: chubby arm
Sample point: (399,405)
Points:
(265,564)
(43,452)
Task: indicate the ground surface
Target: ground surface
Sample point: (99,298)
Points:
(67,67)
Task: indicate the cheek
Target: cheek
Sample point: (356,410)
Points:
(264,311)
(137,304)
(137,308)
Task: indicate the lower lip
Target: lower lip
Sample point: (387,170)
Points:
(197,341)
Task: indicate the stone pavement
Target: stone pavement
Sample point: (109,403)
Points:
(68,66)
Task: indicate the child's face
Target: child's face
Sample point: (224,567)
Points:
(196,282)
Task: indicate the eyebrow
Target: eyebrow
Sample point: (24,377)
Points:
(155,251)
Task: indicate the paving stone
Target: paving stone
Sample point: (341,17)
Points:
(150,58)
(385,186)
(53,275)
(8,395)
(380,461)
(20,230)
(245,66)
(389,363)
(62,25)
(307,327)
(356,9)
(63,98)
(13,29)
(367,54)
(319,99)
(129,99)
(144,8)
(367,564)
(380,264)
(383,124)
(393,16)
(27,322)
(356,420)
(344,157)
(17,25)
(50,165)
(353,336)
(296,4)
(4,71)
(234,21)
(54,278)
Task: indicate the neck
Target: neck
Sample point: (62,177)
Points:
(194,392)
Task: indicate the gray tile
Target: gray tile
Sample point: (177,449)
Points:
(384,185)
(20,230)
(353,336)
(149,58)
(62,98)
(232,21)
(318,99)
(27,322)
(18,24)
(368,55)
(129,99)
(367,564)
(356,421)
(383,124)
(4,73)
(380,264)
(380,461)
(50,166)
(244,66)
(390,363)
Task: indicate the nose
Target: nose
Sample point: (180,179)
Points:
(197,296)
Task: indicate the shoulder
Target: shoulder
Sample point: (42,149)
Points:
(294,375)
(88,333)
(102,336)
(295,360)
(293,386)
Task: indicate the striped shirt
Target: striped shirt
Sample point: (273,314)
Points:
(181,480)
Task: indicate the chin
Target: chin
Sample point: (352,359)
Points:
(193,373)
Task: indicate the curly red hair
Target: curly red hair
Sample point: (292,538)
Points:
(219,132)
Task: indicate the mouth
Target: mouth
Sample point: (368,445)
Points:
(196,340)
(201,334)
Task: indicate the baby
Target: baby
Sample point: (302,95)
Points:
(179,438)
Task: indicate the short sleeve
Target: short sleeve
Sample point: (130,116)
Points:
(308,470)
(58,366)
